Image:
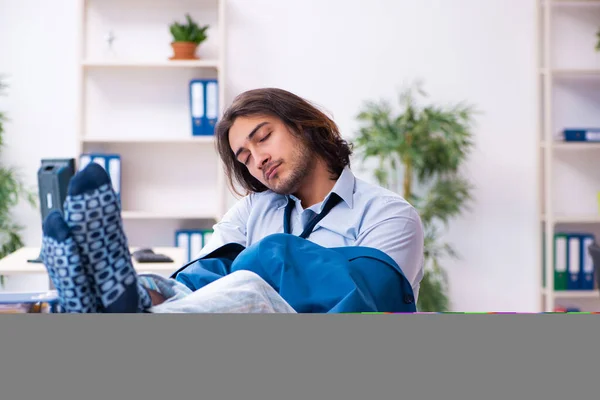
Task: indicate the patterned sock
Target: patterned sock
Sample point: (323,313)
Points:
(63,262)
(92,212)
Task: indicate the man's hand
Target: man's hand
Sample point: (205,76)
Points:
(156,297)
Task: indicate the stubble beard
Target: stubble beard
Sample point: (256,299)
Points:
(302,166)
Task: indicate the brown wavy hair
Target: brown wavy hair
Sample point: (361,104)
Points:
(319,133)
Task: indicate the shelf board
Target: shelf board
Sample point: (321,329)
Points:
(187,140)
(573,294)
(573,72)
(164,215)
(575,219)
(573,145)
(574,3)
(150,64)
(577,294)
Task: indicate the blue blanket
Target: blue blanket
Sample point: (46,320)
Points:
(311,278)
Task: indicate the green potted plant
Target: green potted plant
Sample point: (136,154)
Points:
(420,151)
(12,190)
(186,38)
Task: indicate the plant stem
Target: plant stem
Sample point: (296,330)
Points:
(407,171)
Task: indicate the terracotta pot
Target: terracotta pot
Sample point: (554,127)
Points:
(184,51)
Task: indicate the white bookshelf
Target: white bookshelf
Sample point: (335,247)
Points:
(133,101)
(569,95)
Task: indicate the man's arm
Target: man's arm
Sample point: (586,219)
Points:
(397,230)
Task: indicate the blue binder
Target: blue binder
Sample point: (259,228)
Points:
(110,162)
(574,262)
(587,277)
(192,241)
(582,135)
(204,106)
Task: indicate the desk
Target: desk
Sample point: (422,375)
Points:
(16,263)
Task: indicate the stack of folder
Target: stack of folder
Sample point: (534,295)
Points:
(573,265)
(110,162)
(581,135)
(204,106)
(192,241)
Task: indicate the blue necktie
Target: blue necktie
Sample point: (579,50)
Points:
(329,204)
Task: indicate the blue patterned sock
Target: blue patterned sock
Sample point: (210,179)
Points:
(92,212)
(63,262)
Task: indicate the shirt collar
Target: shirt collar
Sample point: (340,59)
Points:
(344,187)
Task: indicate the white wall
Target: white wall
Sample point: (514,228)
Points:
(343,52)
(340,53)
(38,56)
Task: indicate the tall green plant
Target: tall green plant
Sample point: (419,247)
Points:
(420,150)
(12,190)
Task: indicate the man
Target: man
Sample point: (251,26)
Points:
(294,169)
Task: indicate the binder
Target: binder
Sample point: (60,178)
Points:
(574,264)
(587,277)
(195,244)
(204,106)
(543,260)
(114,171)
(182,241)
(561,254)
(582,135)
(192,241)
(54,176)
(207,235)
(84,160)
(110,162)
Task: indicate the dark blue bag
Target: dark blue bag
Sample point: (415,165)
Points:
(309,277)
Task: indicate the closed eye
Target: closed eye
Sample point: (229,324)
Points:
(261,140)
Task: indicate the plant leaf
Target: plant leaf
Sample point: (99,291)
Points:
(190,31)
(12,190)
(430,143)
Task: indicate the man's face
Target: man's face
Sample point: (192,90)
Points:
(272,154)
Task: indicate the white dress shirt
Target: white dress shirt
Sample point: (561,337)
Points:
(368,215)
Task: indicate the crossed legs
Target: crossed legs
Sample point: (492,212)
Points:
(87,257)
